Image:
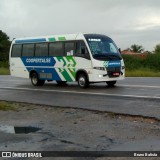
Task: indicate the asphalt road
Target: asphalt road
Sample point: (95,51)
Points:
(135,96)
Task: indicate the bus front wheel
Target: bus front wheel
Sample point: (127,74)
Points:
(35,80)
(83,81)
(111,83)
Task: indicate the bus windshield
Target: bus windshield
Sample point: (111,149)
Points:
(102,47)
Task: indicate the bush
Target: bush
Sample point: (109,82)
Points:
(157,49)
(150,62)
(153,62)
(133,62)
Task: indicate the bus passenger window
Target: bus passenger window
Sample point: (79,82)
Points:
(16,50)
(28,50)
(56,49)
(41,49)
(69,48)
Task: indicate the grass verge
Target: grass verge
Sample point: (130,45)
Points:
(5,106)
(142,73)
(4,71)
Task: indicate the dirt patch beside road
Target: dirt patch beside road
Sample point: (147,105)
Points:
(68,129)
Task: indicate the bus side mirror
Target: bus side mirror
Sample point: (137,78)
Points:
(119,50)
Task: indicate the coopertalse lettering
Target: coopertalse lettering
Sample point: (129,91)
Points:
(38,60)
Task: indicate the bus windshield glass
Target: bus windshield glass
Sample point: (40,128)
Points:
(102,47)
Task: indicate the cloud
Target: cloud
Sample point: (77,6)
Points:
(126,21)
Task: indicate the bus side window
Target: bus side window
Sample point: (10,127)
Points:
(41,49)
(81,50)
(28,50)
(56,49)
(69,48)
(16,50)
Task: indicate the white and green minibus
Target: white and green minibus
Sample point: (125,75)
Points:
(85,58)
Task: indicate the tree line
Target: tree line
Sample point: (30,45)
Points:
(139,48)
(4,46)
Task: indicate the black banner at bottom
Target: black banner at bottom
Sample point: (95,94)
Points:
(38,154)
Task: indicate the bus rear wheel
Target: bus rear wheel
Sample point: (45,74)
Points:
(111,83)
(83,81)
(35,80)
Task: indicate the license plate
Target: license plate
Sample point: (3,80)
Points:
(115,74)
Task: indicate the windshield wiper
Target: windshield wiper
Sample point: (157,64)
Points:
(113,56)
(102,56)
(107,56)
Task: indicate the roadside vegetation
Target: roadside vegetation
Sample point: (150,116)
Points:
(4,71)
(143,66)
(4,51)
(142,72)
(6,106)
(136,66)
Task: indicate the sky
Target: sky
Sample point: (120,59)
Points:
(127,22)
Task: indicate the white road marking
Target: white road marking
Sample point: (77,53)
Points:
(85,93)
(119,85)
(138,86)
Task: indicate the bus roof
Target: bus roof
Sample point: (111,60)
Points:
(51,38)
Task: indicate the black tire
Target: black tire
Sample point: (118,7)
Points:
(35,80)
(111,83)
(61,83)
(83,81)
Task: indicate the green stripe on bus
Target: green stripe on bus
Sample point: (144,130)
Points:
(52,39)
(61,59)
(71,59)
(66,75)
(61,38)
(73,72)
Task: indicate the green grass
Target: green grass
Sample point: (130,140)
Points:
(4,71)
(5,106)
(144,72)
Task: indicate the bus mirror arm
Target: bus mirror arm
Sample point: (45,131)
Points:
(82,50)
